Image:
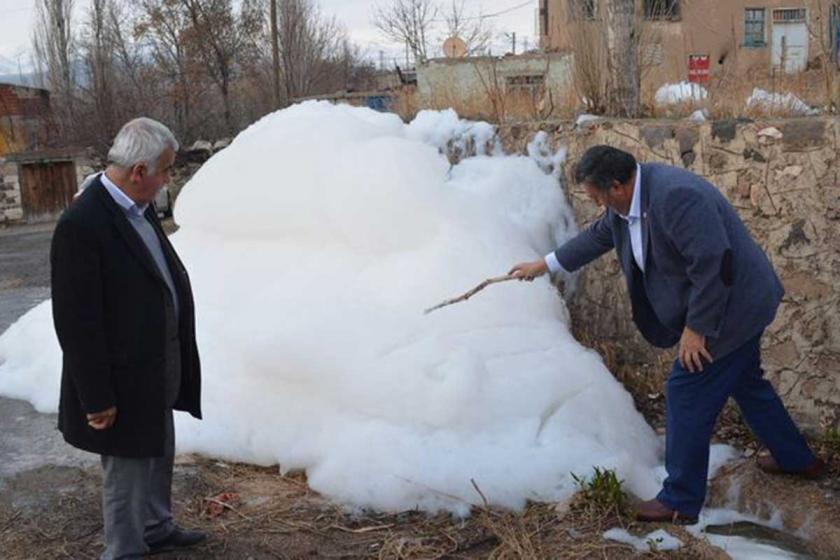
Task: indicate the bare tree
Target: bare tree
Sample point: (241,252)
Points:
(186,62)
(471,29)
(624,89)
(99,63)
(161,25)
(311,46)
(408,22)
(55,46)
(275,55)
(823,26)
(215,39)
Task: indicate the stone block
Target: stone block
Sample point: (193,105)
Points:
(655,136)
(724,130)
(803,133)
(804,285)
(796,236)
(687,138)
(782,355)
(717,161)
(754,155)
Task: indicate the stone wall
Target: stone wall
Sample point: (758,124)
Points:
(11,209)
(10,205)
(782,177)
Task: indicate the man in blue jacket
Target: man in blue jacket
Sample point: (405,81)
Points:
(695,278)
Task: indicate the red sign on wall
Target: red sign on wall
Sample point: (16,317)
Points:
(698,68)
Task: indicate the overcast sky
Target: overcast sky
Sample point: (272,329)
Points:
(16,18)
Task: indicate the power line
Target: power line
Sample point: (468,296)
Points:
(493,14)
(508,10)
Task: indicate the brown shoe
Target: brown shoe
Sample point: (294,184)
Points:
(814,471)
(656,511)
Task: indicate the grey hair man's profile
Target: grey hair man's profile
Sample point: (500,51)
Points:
(124,316)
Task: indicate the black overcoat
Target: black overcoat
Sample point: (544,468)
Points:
(109,308)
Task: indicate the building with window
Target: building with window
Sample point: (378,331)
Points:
(696,39)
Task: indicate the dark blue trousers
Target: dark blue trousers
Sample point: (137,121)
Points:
(694,401)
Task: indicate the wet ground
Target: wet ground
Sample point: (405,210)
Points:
(28,439)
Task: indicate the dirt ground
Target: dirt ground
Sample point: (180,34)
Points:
(254,512)
(50,508)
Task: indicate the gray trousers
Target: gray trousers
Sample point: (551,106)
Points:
(137,500)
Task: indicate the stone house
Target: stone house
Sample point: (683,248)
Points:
(36,182)
(693,40)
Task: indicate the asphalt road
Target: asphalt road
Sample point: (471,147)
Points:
(28,439)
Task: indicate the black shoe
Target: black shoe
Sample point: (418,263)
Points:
(179,538)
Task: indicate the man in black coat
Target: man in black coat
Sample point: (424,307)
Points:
(124,316)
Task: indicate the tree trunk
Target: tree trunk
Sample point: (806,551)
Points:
(275,56)
(624,80)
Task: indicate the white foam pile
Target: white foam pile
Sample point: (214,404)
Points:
(683,92)
(778,102)
(315,241)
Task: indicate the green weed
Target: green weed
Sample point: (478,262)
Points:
(601,494)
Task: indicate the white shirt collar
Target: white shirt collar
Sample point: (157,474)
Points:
(635,211)
(121,198)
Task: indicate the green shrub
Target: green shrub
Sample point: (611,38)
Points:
(603,493)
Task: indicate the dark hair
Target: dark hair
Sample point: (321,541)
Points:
(600,166)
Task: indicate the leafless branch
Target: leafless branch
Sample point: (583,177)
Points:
(471,293)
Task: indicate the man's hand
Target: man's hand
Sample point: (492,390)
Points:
(530,270)
(102,420)
(693,350)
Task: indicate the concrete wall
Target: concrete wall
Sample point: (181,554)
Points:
(460,79)
(782,177)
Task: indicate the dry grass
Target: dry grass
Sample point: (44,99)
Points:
(492,104)
(277,516)
(728,94)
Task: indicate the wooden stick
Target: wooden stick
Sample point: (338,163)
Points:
(471,293)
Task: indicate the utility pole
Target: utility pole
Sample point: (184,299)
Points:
(512,37)
(275,54)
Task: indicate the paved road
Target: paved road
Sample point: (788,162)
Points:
(28,439)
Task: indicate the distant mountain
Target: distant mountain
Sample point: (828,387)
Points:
(8,65)
(29,80)
(12,73)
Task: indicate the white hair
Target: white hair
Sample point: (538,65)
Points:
(141,140)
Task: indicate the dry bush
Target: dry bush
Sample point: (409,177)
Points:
(728,92)
(587,39)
